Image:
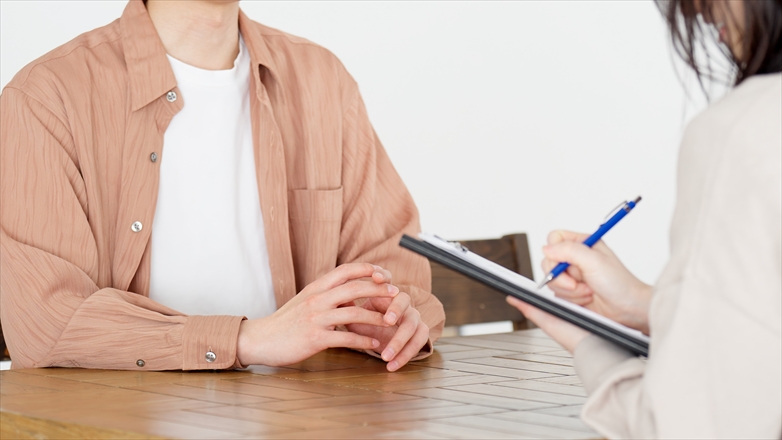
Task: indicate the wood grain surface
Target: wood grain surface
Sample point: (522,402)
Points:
(512,385)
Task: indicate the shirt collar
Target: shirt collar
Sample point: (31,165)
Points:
(259,51)
(149,72)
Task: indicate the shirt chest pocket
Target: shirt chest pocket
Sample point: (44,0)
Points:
(315,217)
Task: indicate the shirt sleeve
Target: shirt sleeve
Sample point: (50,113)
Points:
(52,309)
(378,209)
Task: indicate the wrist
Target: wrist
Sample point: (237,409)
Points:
(244,344)
(571,340)
(637,315)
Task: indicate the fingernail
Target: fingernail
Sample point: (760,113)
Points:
(377,268)
(378,274)
(393,366)
(375,343)
(391,318)
(392,289)
(388,353)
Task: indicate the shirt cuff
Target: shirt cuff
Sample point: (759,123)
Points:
(594,357)
(209,342)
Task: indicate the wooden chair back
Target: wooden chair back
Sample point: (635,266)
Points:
(469,302)
(3,348)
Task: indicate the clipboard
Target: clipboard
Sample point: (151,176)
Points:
(458,258)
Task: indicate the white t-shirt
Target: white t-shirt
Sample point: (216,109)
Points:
(209,253)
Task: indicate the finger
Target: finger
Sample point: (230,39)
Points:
(545,321)
(577,254)
(345,273)
(352,315)
(532,313)
(350,340)
(559,236)
(379,304)
(548,264)
(372,331)
(566,334)
(355,290)
(413,347)
(397,308)
(348,304)
(381,275)
(519,304)
(563,281)
(575,273)
(542,319)
(404,332)
(583,301)
(581,290)
(580,300)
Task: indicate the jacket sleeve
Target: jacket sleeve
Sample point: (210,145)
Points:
(716,313)
(52,310)
(378,209)
(613,377)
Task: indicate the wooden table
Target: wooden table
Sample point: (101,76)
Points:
(512,385)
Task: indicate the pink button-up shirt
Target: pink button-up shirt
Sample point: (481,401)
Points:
(79,127)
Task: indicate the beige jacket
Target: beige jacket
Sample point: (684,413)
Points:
(715,365)
(79,127)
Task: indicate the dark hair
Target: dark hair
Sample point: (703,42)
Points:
(761,38)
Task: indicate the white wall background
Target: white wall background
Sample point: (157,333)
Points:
(501,117)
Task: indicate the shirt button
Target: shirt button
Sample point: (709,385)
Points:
(136,226)
(210,356)
(140,362)
(153,157)
(171,96)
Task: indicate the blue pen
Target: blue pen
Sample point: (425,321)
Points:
(594,238)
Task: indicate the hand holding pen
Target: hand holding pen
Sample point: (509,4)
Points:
(596,279)
(594,238)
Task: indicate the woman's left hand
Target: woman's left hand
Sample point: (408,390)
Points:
(565,333)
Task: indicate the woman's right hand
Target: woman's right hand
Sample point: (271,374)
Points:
(597,280)
(306,324)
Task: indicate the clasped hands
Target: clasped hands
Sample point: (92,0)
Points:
(597,280)
(385,322)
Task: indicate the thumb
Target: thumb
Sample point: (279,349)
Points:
(343,274)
